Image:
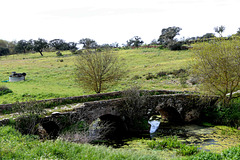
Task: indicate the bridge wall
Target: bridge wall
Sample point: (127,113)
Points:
(85,98)
(175,107)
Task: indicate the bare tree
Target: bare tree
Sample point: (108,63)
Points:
(96,69)
(135,105)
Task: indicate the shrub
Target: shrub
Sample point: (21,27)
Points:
(178,72)
(224,115)
(161,74)
(150,76)
(28,116)
(174,46)
(160,47)
(135,106)
(4,90)
(59,54)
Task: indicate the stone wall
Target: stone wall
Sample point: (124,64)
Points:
(175,107)
(85,98)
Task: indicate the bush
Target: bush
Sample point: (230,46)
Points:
(59,54)
(4,90)
(135,106)
(28,116)
(150,76)
(161,74)
(174,46)
(73,51)
(178,72)
(160,47)
(224,115)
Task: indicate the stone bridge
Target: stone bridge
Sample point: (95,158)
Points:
(174,107)
(183,108)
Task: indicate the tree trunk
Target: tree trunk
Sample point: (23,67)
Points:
(41,53)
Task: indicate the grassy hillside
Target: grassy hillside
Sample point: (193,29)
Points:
(51,76)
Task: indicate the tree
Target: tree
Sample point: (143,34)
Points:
(3,43)
(39,45)
(134,106)
(154,42)
(4,51)
(217,66)
(114,45)
(168,35)
(30,45)
(21,46)
(208,35)
(58,44)
(135,42)
(72,46)
(219,30)
(7,47)
(88,43)
(96,69)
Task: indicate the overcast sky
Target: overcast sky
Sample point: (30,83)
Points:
(108,21)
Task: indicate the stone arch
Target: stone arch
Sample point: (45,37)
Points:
(51,127)
(116,124)
(171,114)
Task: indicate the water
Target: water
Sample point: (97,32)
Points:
(206,138)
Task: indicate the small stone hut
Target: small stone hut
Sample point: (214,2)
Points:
(15,77)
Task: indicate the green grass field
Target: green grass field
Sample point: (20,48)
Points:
(48,77)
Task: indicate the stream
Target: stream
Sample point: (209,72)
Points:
(214,139)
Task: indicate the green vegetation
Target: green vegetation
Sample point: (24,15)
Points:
(13,145)
(48,77)
(216,64)
(4,90)
(224,115)
(95,70)
(173,143)
(231,153)
(52,76)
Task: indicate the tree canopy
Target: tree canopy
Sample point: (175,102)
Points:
(94,70)
(168,35)
(21,46)
(219,30)
(88,43)
(40,45)
(216,64)
(135,42)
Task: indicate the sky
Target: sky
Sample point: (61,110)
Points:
(109,21)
